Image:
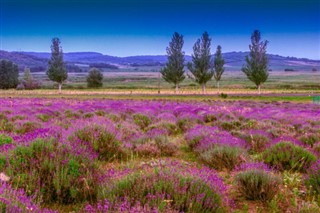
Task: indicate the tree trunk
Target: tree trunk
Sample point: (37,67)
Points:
(60,85)
(177,89)
(218,86)
(259,89)
(203,86)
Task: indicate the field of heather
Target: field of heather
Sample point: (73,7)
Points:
(69,155)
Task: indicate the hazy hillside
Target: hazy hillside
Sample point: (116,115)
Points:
(80,61)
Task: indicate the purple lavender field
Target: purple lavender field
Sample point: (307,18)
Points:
(64,155)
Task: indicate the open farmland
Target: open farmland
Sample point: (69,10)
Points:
(96,155)
(231,82)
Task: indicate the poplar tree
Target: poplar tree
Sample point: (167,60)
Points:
(256,68)
(173,72)
(57,71)
(218,66)
(201,66)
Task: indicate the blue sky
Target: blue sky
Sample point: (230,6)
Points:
(143,27)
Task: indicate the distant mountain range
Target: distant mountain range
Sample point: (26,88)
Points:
(82,61)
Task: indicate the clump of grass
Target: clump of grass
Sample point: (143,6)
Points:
(100,113)
(313,177)
(257,185)
(256,182)
(102,140)
(210,118)
(223,157)
(27,127)
(88,115)
(287,156)
(70,114)
(142,121)
(156,147)
(310,139)
(4,139)
(6,125)
(257,143)
(43,117)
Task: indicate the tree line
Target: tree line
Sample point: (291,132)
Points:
(203,66)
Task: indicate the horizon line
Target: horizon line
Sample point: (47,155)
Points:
(275,54)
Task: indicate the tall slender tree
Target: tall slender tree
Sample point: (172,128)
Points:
(218,66)
(173,72)
(256,68)
(201,66)
(57,71)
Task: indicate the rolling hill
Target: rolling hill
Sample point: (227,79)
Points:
(80,61)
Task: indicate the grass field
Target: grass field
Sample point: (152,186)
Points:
(234,80)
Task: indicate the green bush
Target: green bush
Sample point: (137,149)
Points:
(88,115)
(6,125)
(165,146)
(27,127)
(43,117)
(229,126)
(102,141)
(256,184)
(4,139)
(52,171)
(310,139)
(95,78)
(287,156)
(257,142)
(210,118)
(223,95)
(185,193)
(142,121)
(100,113)
(223,157)
(3,162)
(313,177)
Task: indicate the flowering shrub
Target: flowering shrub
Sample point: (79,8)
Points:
(256,182)
(53,171)
(313,177)
(4,139)
(141,120)
(201,138)
(12,200)
(104,141)
(287,156)
(171,186)
(223,157)
(154,147)
(256,142)
(310,139)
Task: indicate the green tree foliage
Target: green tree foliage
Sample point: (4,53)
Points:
(201,66)
(256,68)
(218,66)
(57,71)
(94,78)
(173,71)
(28,81)
(9,74)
